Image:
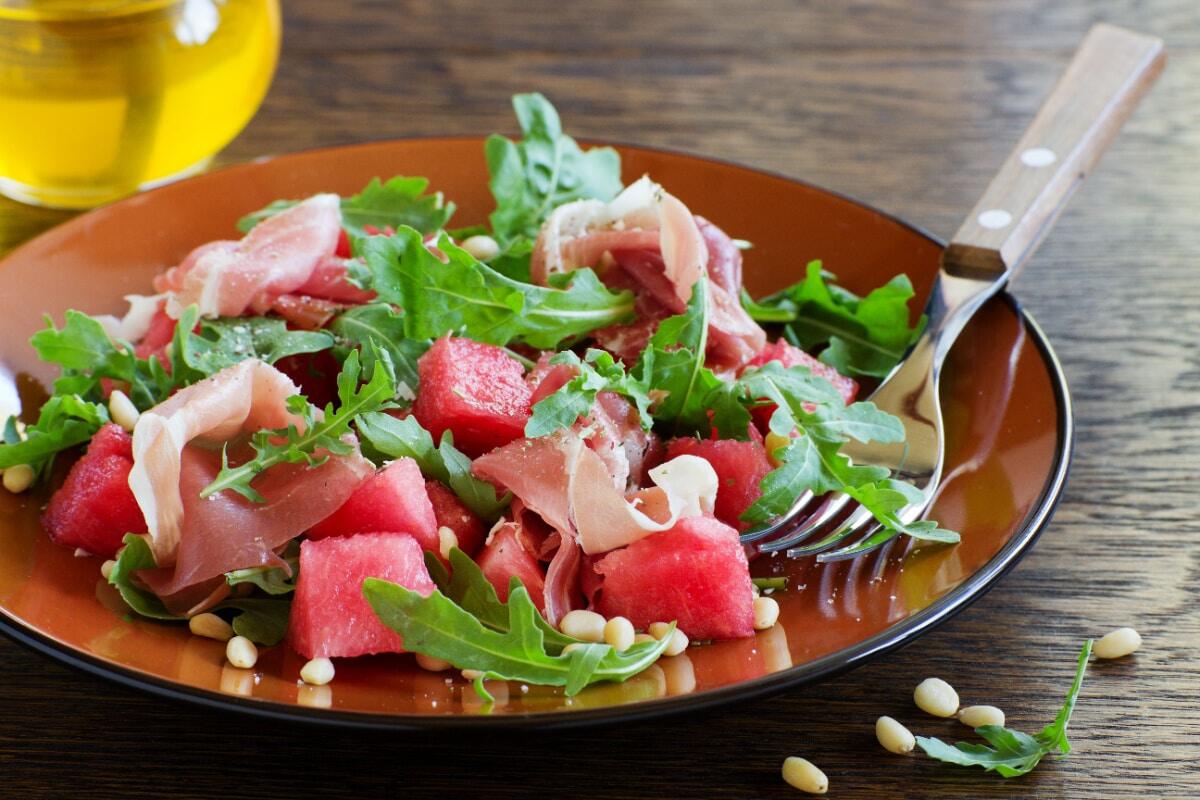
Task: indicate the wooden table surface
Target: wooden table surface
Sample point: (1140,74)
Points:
(912,111)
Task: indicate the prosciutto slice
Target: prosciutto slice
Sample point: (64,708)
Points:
(648,235)
(278,256)
(568,485)
(177,452)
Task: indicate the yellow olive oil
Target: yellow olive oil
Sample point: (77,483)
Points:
(101,97)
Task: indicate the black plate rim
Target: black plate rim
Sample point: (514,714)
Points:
(896,636)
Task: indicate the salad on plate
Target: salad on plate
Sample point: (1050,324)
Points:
(526,450)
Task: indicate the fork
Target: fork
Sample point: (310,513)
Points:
(1109,73)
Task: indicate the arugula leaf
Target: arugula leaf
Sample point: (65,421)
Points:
(272,580)
(224,342)
(474,593)
(86,354)
(437,627)
(1013,753)
(865,335)
(770,583)
(405,438)
(63,422)
(320,437)
(465,296)
(136,555)
(545,169)
(689,397)
(379,326)
(596,372)
(261,620)
(810,406)
(399,201)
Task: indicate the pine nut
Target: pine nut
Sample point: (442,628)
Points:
(122,410)
(935,696)
(894,737)
(642,638)
(241,652)
(619,633)
(802,774)
(18,478)
(1115,644)
(106,569)
(659,629)
(484,248)
(766,613)
(978,716)
(585,625)
(679,643)
(472,674)
(432,664)
(210,626)
(772,442)
(572,647)
(317,672)
(446,541)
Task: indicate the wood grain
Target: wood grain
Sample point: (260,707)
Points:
(911,107)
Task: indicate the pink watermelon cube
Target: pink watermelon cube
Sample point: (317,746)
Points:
(453,514)
(393,501)
(695,574)
(95,508)
(740,468)
(330,616)
(505,556)
(476,391)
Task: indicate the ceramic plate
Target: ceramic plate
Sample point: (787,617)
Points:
(1007,419)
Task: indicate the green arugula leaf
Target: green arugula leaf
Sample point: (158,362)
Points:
(261,620)
(320,438)
(531,178)
(596,372)
(221,343)
(772,584)
(405,438)
(64,421)
(379,326)
(1013,753)
(474,593)
(272,580)
(438,627)
(690,397)
(399,201)
(86,354)
(136,555)
(465,296)
(810,406)
(865,335)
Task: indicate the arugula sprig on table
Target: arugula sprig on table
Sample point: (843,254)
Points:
(514,643)
(398,201)
(462,295)
(320,436)
(1013,753)
(865,335)
(389,437)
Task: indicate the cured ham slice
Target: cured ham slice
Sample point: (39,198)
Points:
(650,236)
(177,452)
(328,282)
(568,485)
(278,256)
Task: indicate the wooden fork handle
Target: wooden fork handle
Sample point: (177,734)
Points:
(1109,74)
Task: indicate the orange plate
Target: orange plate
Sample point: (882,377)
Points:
(1007,419)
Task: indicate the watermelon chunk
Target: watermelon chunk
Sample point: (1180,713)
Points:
(330,616)
(740,468)
(393,500)
(476,391)
(95,508)
(158,335)
(504,556)
(452,513)
(695,573)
